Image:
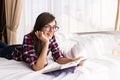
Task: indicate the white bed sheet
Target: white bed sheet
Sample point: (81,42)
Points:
(101,64)
(102,68)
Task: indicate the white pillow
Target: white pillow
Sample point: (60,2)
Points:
(94,45)
(71,44)
(65,42)
(83,47)
(88,45)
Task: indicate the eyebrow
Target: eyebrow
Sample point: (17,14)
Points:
(49,25)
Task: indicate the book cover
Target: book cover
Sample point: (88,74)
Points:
(53,67)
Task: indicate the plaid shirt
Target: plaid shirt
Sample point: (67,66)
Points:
(27,52)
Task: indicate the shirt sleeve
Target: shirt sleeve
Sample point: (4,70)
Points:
(29,54)
(56,53)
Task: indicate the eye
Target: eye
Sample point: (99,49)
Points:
(47,26)
(56,28)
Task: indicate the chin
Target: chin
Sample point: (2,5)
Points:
(49,37)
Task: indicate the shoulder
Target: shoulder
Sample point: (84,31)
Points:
(28,38)
(29,35)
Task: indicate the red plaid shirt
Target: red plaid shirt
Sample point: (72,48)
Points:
(27,52)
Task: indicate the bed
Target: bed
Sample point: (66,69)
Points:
(98,47)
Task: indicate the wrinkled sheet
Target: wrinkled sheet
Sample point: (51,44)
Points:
(101,68)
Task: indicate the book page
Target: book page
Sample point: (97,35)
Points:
(55,66)
(73,63)
(51,67)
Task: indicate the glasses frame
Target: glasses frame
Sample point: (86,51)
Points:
(54,28)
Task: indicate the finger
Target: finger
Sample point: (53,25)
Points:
(40,33)
(37,34)
(78,58)
(81,56)
(74,59)
(45,34)
(81,63)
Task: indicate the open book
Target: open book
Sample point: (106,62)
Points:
(57,67)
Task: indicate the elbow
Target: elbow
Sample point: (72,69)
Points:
(36,68)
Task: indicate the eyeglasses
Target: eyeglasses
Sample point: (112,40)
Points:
(54,28)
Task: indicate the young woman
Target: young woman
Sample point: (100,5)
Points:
(37,44)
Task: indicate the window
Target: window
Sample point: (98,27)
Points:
(72,15)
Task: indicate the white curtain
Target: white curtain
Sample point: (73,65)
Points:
(72,15)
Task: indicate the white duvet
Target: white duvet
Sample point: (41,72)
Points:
(102,68)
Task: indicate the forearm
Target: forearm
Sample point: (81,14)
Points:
(41,59)
(63,60)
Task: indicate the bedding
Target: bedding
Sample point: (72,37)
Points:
(91,45)
(101,64)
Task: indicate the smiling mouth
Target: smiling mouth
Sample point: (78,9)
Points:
(49,35)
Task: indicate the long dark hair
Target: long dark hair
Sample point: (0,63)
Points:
(43,19)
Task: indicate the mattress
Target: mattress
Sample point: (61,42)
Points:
(102,68)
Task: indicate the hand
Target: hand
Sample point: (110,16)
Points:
(41,36)
(81,62)
(74,59)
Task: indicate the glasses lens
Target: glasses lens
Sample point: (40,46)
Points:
(56,28)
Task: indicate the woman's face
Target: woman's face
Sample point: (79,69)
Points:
(48,29)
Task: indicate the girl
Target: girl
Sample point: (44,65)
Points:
(37,44)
